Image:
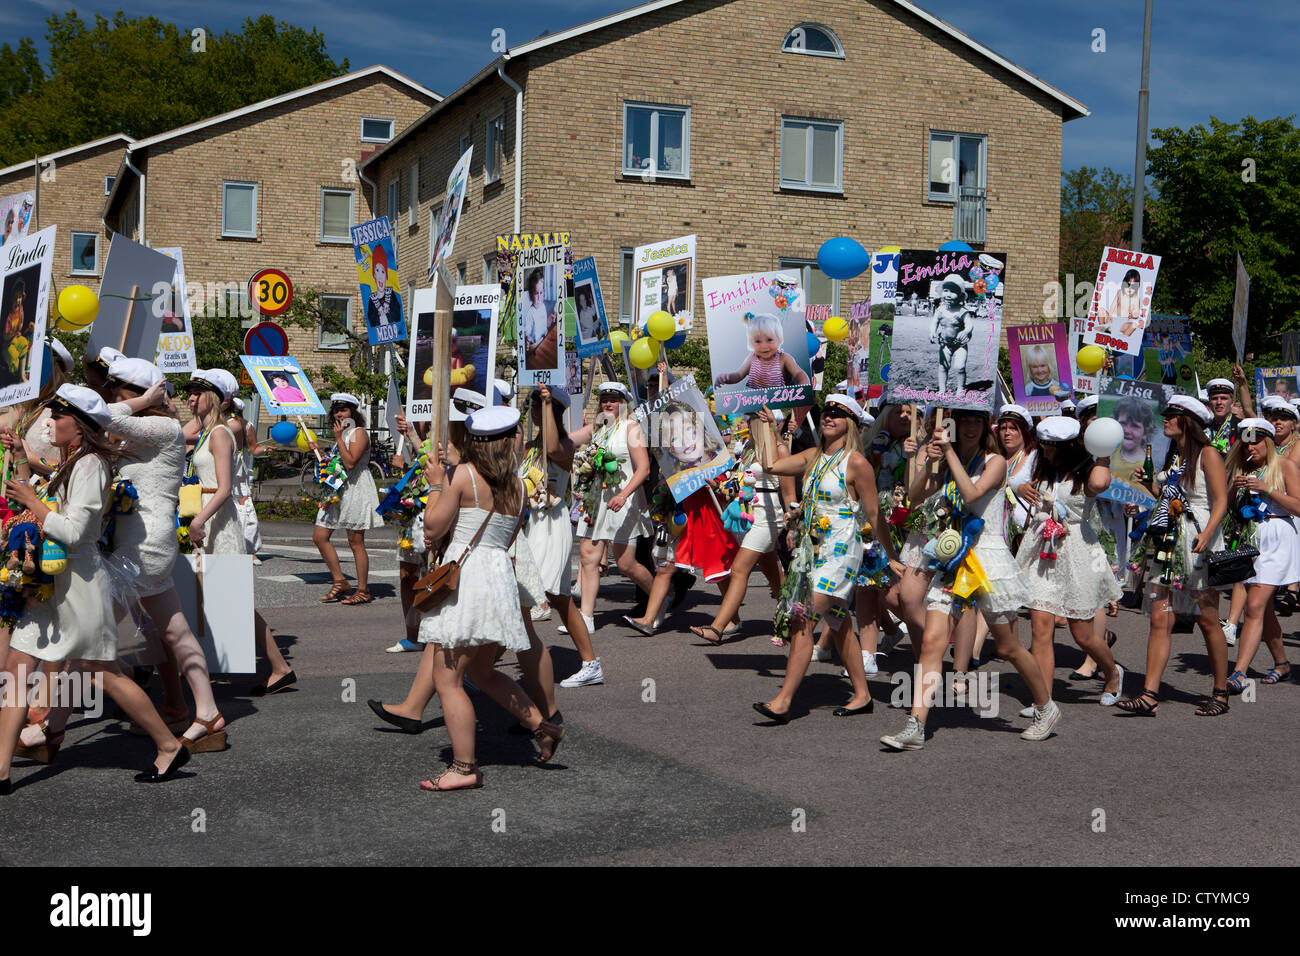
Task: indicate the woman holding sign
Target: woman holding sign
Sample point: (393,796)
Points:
(352,505)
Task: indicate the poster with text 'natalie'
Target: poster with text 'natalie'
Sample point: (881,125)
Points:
(536,277)
(176,341)
(1121,299)
(665,280)
(381,289)
(474,320)
(24,304)
(758,343)
(947,320)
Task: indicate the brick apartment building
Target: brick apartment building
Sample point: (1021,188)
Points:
(271,185)
(771,125)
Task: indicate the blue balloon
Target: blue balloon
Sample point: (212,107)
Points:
(46,364)
(955,246)
(990,281)
(843,258)
(284,433)
(814,344)
(676,342)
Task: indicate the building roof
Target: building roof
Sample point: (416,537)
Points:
(68,152)
(1071,108)
(369,71)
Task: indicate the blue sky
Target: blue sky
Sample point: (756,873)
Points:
(1226,59)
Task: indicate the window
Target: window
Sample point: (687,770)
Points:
(413,195)
(812,154)
(394,198)
(461,275)
(812,40)
(108,184)
(956,159)
(464,145)
(239,210)
(818,287)
(341,306)
(656,141)
(376,130)
(490,268)
(626,289)
(336,215)
(85,254)
(495,151)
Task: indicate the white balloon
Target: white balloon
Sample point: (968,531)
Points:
(1103,437)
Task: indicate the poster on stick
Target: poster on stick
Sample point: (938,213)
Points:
(685,438)
(1240,309)
(1167,353)
(758,343)
(24,303)
(536,277)
(282,385)
(1040,367)
(176,341)
(665,280)
(1121,300)
(381,288)
(1137,407)
(16,216)
(449,220)
(1281,382)
(947,319)
(216,594)
(137,283)
(471,362)
(592,336)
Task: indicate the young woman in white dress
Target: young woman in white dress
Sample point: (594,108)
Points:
(484,505)
(216,528)
(354,511)
(972,477)
(246,449)
(1203,480)
(77,624)
(1078,580)
(1256,468)
(621,514)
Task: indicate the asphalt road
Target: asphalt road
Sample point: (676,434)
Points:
(665,763)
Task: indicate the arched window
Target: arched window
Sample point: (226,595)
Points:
(813,40)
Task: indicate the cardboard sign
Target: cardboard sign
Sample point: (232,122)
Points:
(24,304)
(1121,299)
(1041,367)
(1137,407)
(593,327)
(381,287)
(282,385)
(665,281)
(16,216)
(1282,382)
(137,285)
(685,438)
(449,220)
(176,341)
(1240,308)
(1167,353)
(536,275)
(223,585)
(473,351)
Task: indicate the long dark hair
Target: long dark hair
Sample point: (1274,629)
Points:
(353,412)
(495,461)
(93,442)
(1072,461)
(1195,439)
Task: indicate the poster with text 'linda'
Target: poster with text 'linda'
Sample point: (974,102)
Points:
(24,304)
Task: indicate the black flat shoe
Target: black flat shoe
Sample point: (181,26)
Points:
(6,787)
(522,731)
(771,714)
(153,776)
(405,724)
(268,689)
(1076,676)
(866,708)
(682,584)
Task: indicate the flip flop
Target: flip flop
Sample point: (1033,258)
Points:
(699,632)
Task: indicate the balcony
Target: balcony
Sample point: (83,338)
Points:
(968,215)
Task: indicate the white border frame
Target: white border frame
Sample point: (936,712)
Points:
(352,208)
(238,235)
(347,317)
(392,129)
(494,151)
(839,47)
(72,258)
(951,196)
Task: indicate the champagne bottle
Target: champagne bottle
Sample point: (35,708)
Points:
(1149,468)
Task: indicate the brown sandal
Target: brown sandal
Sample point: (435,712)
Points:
(699,632)
(548,737)
(334,592)
(45,751)
(460,767)
(211,741)
(357,597)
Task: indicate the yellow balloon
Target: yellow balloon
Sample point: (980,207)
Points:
(1090,359)
(428,376)
(661,326)
(78,307)
(618,335)
(835,329)
(891,249)
(305,437)
(643,353)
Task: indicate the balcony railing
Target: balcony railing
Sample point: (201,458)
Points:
(968,214)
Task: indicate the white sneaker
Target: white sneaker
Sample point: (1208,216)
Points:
(1028,712)
(912,736)
(869,664)
(959,688)
(540,612)
(1108,699)
(589,621)
(589,673)
(1044,721)
(1230,632)
(820,655)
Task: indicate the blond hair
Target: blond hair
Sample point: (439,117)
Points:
(1269,475)
(852,443)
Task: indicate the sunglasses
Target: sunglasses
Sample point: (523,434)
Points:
(834,411)
(464,405)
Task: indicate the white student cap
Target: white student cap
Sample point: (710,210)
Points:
(345,398)
(1016,411)
(1092,401)
(60,352)
(464,401)
(216,380)
(1278,404)
(492,422)
(505,391)
(135,372)
(1197,410)
(239,404)
(848,404)
(560,396)
(1220,385)
(1068,409)
(84,403)
(618,387)
(1257,424)
(1057,428)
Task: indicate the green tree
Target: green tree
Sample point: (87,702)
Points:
(1096,211)
(142,76)
(364,375)
(1218,191)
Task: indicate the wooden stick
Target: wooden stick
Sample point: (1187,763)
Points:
(303,426)
(444,303)
(940,422)
(663,375)
(764,439)
(126,326)
(915,430)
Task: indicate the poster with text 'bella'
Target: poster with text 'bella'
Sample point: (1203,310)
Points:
(24,304)
(1121,300)
(536,277)
(947,319)
(1040,367)
(758,344)
(381,289)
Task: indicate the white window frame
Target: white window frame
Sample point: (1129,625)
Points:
(838,126)
(394,202)
(347,318)
(238,235)
(494,152)
(655,108)
(627,319)
(465,141)
(489,268)
(787,263)
(376,139)
(830,35)
(337,240)
(72,248)
(108,184)
(413,200)
(951,195)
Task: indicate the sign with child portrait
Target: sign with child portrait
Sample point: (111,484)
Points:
(381,289)
(665,281)
(1040,367)
(685,438)
(24,303)
(472,358)
(758,344)
(1121,300)
(945,338)
(282,385)
(593,326)
(1281,382)
(536,277)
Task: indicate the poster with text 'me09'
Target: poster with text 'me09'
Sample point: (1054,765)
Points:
(472,356)
(536,277)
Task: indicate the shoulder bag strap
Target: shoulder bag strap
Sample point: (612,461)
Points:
(519,522)
(474,540)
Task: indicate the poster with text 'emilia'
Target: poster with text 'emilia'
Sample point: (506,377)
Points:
(535,273)
(474,320)
(1121,300)
(381,289)
(947,320)
(758,343)
(24,304)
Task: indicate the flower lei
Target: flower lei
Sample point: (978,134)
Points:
(793,604)
(406,500)
(1222,436)
(594,469)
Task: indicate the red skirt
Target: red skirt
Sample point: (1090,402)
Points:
(705,544)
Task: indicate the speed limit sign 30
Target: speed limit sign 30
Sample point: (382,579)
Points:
(270,291)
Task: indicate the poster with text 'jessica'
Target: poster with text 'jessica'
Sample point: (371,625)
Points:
(758,343)
(1121,300)
(665,280)
(947,319)
(1040,367)
(381,289)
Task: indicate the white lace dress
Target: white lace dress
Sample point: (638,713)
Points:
(633,519)
(765,506)
(1078,581)
(549,532)
(358,498)
(484,608)
(222,533)
(152,459)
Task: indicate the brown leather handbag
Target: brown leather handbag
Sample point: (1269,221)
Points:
(440,583)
